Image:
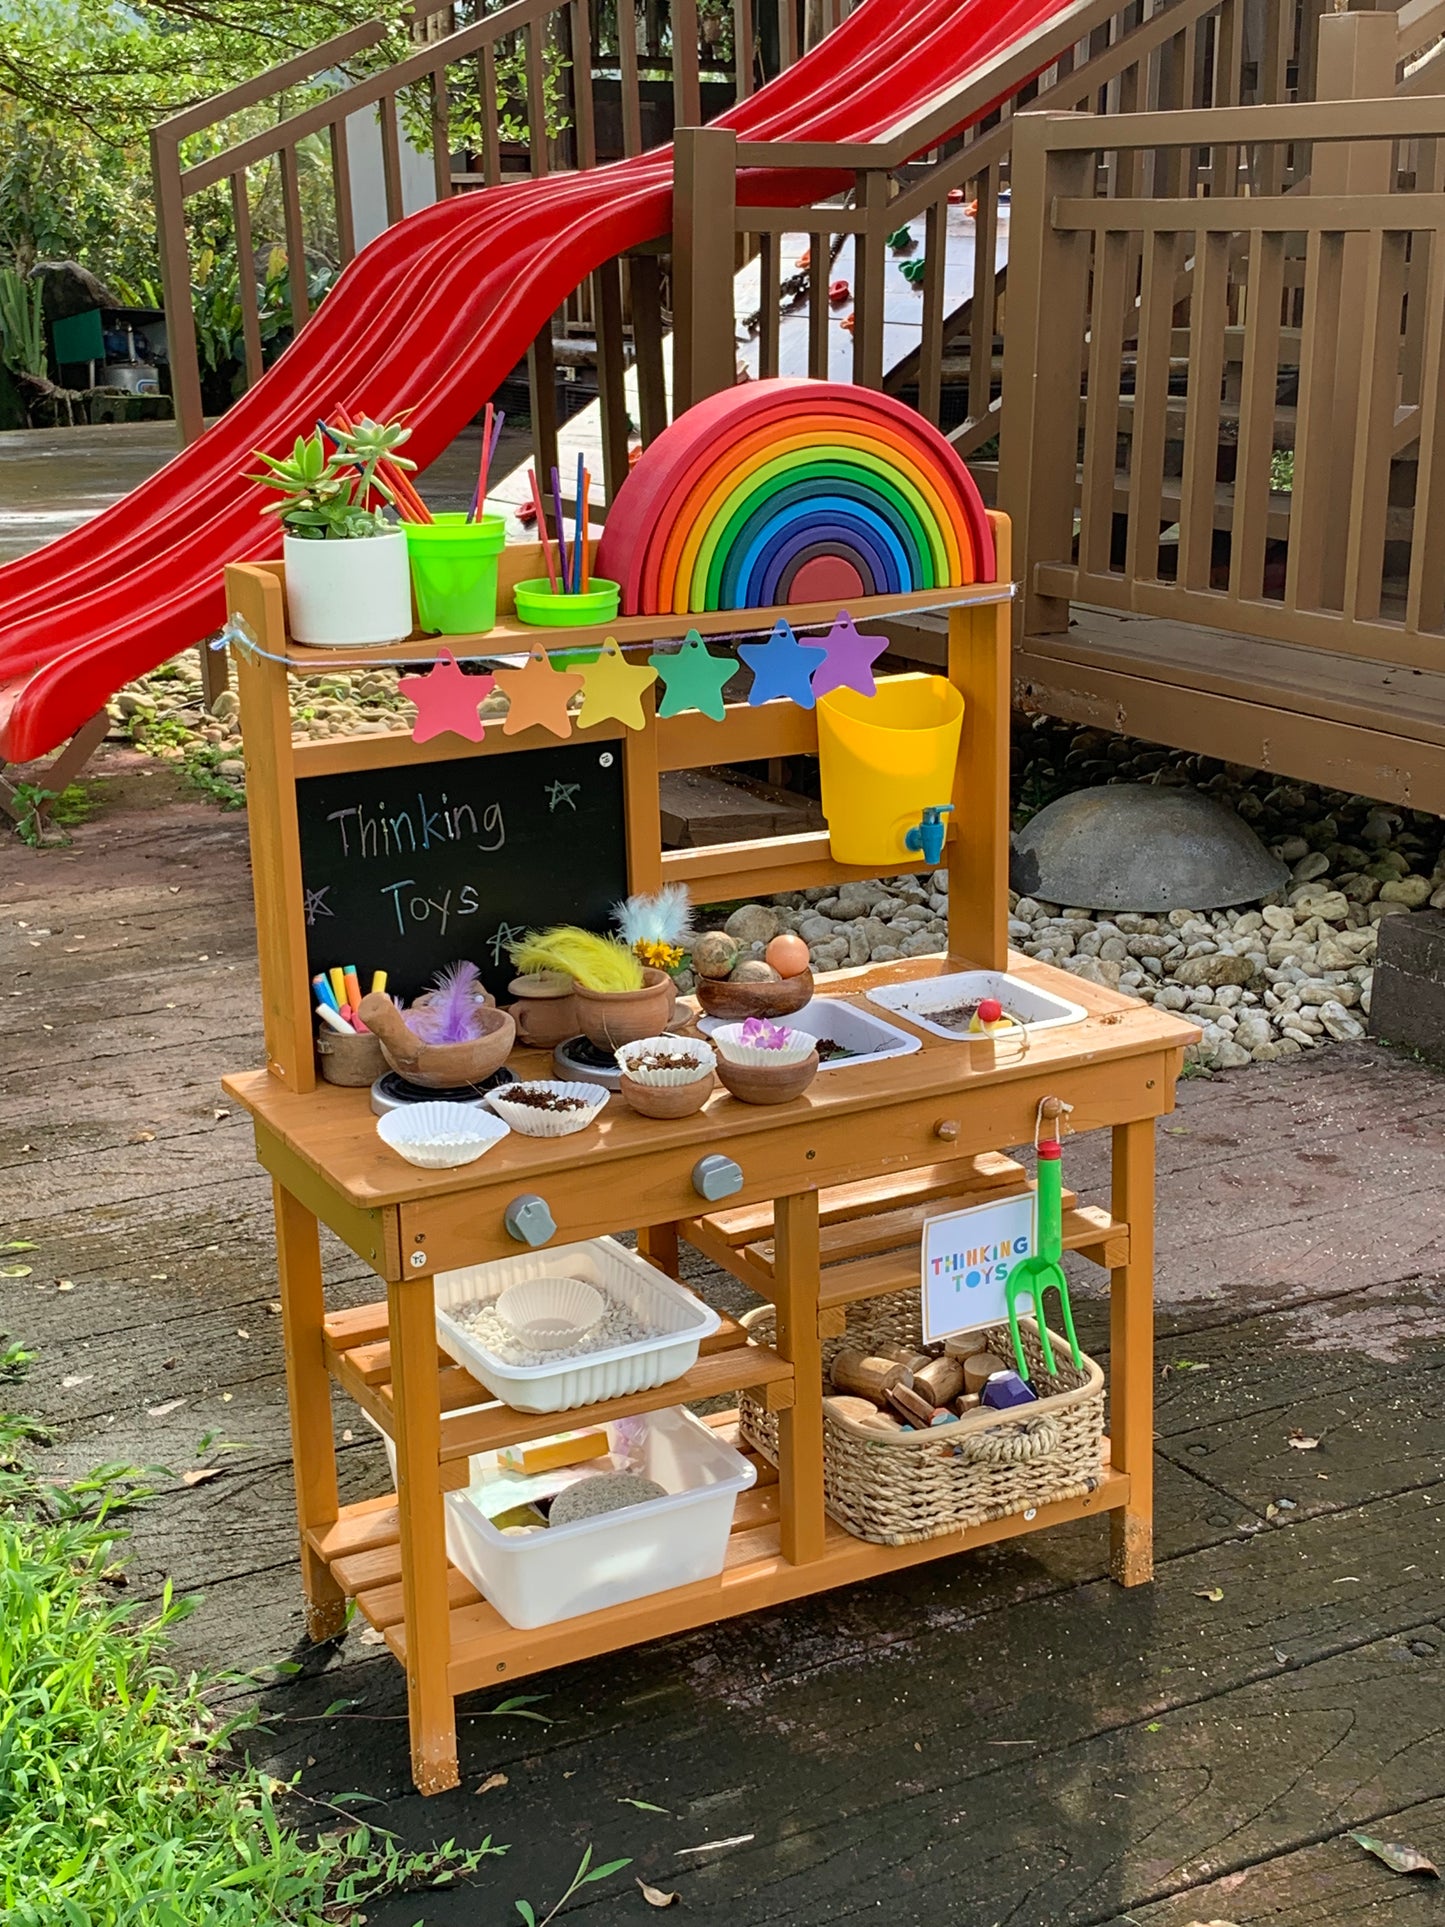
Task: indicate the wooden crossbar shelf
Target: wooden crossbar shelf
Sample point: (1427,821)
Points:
(475,1422)
(363,1551)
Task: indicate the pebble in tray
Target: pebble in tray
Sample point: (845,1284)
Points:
(618,1325)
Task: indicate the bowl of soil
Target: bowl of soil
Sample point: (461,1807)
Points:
(547,1107)
(667,1077)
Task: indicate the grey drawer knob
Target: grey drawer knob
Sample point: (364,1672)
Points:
(715,1177)
(529,1219)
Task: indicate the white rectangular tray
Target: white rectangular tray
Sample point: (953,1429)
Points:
(1038,1009)
(856,1030)
(682,1323)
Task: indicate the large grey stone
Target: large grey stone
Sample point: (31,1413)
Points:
(1133,846)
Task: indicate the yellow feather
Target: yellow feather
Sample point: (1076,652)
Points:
(597,963)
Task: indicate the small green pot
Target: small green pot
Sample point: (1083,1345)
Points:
(454,572)
(544,607)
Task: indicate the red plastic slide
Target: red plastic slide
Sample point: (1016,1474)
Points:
(432,317)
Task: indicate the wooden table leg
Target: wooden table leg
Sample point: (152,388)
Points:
(308,1393)
(658,1244)
(1131,1353)
(411,1316)
(800,1428)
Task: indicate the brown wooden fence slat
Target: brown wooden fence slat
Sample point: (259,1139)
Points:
(1151,396)
(246,277)
(1309,501)
(1101,418)
(296,276)
(1425,594)
(1379,377)
(1259,380)
(1209,311)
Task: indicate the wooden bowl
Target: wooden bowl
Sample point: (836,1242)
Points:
(668,1100)
(734,1002)
(767,1083)
(438,1067)
(608,1018)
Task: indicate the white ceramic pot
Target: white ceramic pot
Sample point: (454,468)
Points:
(340,595)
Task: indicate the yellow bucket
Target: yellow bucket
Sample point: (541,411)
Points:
(883,759)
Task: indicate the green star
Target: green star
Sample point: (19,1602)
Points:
(693,678)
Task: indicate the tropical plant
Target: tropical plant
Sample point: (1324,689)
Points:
(22,325)
(326,495)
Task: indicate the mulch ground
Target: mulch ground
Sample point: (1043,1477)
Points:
(1002,1738)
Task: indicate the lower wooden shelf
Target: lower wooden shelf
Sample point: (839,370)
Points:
(364,1555)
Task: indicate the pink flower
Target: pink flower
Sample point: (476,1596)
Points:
(762,1035)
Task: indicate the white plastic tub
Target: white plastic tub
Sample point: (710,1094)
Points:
(681,1321)
(1037,1009)
(856,1030)
(535,1579)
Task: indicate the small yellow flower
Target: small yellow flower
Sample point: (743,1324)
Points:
(658,956)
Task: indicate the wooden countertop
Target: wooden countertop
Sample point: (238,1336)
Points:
(333,1130)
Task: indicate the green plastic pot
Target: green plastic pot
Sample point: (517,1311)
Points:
(454,572)
(544,607)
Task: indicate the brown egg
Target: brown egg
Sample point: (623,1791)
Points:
(788,955)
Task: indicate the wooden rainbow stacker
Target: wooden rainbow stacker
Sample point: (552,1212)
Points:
(835,1184)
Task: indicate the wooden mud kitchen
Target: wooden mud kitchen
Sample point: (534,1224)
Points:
(819,1203)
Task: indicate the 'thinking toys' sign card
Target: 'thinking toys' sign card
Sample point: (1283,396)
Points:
(967,1256)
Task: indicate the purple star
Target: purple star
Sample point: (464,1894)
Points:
(849,660)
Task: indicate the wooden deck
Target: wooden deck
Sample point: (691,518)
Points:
(1002,1737)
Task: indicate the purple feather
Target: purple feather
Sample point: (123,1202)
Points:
(453,1014)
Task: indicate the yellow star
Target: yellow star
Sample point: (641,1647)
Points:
(613,687)
(538,694)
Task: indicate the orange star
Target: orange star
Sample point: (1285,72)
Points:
(538,694)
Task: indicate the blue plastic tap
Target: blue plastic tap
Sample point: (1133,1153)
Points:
(927,834)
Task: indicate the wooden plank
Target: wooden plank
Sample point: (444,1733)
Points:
(254,599)
(977,853)
(1208,314)
(485,1650)
(308,1397)
(802,1531)
(1112,299)
(1391,768)
(645,286)
(1258,390)
(714,1373)
(611,373)
(1131,1352)
(1373,437)
(1151,391)
(1309,502)
(842,1203)
(1425,598)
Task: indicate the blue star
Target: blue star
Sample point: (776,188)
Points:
(781,666)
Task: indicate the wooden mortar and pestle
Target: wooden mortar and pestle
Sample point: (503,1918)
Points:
(438,1067)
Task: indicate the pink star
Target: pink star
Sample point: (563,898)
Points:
(849,660)
(447,701)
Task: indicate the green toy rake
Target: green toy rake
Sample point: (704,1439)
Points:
(1032,1277)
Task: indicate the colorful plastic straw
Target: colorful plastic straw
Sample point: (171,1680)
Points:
(579,529)
(542,529)
(586,560)
(561,530)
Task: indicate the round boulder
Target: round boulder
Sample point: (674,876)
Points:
(1134,846)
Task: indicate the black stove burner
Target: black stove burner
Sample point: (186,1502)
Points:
(398,1090)
(581,1050)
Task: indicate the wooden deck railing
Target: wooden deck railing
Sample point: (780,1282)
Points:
(948,320)
(564,76)
(1227,411)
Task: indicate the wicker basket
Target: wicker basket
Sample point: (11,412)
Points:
(921,1485)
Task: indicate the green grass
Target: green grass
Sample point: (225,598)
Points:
(45,815)
(125,1801)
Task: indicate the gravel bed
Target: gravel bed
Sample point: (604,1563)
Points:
(618,1325)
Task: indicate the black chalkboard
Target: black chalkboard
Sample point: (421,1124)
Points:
(410,868)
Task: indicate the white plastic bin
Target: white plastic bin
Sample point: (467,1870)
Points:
(681,1321)
(859,1031)
(537,1578)
(1037,1009)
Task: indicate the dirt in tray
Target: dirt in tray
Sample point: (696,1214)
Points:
(830,1052)
(545,1100)
(960,1016)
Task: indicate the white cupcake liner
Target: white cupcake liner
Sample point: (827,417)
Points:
(706,1056)
(551,1314)
(437,1136)
(728,1038)
(529,1122)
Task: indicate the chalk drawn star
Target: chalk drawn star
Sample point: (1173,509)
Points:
(537,694)
(447,702)
(781,666)
(849,659)
(558,793)
(693,678)
(612,686)
(505,935)
(316,904)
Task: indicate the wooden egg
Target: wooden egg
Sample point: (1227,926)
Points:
(714,954)
(788,955)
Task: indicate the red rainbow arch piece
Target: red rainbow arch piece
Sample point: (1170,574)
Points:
(792,491)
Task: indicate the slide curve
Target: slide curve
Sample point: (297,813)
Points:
(431,317)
